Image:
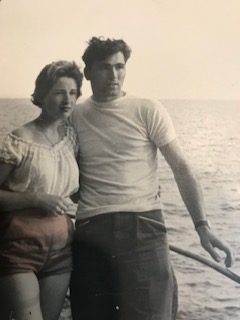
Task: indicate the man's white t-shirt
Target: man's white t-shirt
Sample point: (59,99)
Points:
(118,154)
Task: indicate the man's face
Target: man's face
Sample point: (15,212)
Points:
(107,77)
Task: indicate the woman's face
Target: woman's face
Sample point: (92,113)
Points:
(61,99)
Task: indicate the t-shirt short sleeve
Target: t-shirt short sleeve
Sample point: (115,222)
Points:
(11,150)
(160,127)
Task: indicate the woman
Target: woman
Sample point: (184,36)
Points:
(38,174)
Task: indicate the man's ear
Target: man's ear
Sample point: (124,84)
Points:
(87,73)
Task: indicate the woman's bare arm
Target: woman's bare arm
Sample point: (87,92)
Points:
(10,201)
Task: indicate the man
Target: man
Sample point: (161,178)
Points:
(122,268)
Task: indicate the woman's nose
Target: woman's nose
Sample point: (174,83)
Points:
(67,97)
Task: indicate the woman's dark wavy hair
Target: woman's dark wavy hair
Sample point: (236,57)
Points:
(100,48)
(50,74)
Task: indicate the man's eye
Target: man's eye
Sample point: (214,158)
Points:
(120,66)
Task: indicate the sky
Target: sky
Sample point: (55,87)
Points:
(181,49)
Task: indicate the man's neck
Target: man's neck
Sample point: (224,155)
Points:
(108,99)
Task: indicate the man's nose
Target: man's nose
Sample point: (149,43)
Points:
(113,73)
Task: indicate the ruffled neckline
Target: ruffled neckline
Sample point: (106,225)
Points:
(54,147)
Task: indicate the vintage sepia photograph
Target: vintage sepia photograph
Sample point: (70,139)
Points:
(120,160)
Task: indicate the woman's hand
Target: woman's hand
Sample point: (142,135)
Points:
(72,209)
(54,204)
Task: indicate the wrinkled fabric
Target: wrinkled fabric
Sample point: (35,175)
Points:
(41,168)
(122,269)
(118,158)
(32,241)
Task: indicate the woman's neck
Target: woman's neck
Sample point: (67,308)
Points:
(46,122)
(51,131)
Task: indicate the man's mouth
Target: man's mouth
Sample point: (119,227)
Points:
(113,84)
(65,109)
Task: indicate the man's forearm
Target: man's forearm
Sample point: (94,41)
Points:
(191,194)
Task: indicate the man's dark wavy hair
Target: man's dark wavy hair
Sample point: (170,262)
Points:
(50,74)
(100,48)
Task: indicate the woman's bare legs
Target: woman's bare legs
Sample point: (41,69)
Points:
(19,297)
(24,297)
(53,291)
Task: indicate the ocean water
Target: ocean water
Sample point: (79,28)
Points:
(210,136)
(209,132)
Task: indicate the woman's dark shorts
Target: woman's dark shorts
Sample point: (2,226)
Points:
(31,241)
